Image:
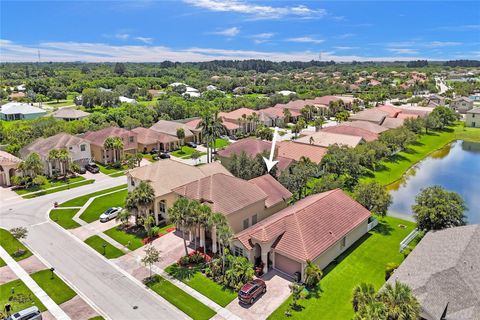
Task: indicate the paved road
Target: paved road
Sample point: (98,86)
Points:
(112,291)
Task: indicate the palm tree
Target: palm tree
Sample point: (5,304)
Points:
(287,114)
(53,157)
(217,129)
(140,200)
(181,214)
(115,144)
(32,166)
(225,237)
(205,126)
(399,301)
(64,157)
(363,294)
(313,274)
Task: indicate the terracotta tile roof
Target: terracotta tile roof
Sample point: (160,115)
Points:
(170,128)
(326,139)
(275,191)
(310,226)
(149,136)
(407,116)
(224,193)
(227,124)
(273,112)
(391,111)
(366,125)
(251,146)
(230,125)
(296,151)
(236,114)
(352,131)
(8,159)
(42,146)
(194,123)
(393,123)
(372,115)
(168,174)
(421,111)
(98,137)
(325,100)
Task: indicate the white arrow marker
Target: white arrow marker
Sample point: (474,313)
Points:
(269,162)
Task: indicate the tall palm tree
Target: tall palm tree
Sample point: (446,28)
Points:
(64,159)
(217,129)
(399,301)
(181,214)
(115,144)
(140,200)
(225,237)
(53,157)
(287,114)
(205,126)
(32,165)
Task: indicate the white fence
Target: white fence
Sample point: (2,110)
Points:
(405,242)
(372,224)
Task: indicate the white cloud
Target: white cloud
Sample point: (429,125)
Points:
(101,52)
(122,36)
(229,32)
(144,39)
(440,44)
(256,10)
(262,37)
(305,39)
(402,50)
(345,48)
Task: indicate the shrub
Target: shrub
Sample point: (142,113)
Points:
(389,269)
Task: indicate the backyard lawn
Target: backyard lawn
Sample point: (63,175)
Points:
(125,237)
(100,204)
(221,143)
(109,170)
(62,188)
(364,262)
(22,298)
(209,288)
(49,184)
(182,300)
(64,217)
(58,290)
(12,245)
(111,252)
(80,201)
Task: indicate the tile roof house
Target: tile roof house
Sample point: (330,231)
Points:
(325,139)
(317,228)
(20,111)
(149,140)
(69,114)
(366,125)
(352,131)
(295,151)
(392,123)
(77,147)
(461,104)
(391,111)
(443,272)
(171,127)
(8,166)
(372,115)
(97,139)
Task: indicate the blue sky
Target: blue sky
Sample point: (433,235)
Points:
(200,30)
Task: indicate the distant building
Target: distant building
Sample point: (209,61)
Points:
(20,111)
(461,104)
(8,166)
(473,118)
(126,100)
(97,139)
(70,114)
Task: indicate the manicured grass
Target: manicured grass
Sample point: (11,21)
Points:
(108,170)
(49,184)
(2,263)
(182,300)
(60,103)
(121,236)
(393,168)
(65,187)
(149,157)
(111,252)
(12,245)
(100,204)
(22,298)
(209,288)
(117,174)
(58,290)
(80,201)
(64,218)
(364,262)
(183,152)
(221,143)
(97,318)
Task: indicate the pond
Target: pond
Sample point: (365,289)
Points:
(456,167)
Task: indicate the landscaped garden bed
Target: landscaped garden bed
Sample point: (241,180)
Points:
(13,247)
(51,183)
(103,247)
(62,188)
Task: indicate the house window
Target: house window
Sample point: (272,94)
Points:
(343,242)
(70,148)
(254,219)
(238,251)
(162,206)
(83,147)
(245,224)
(132,183)
(130,139)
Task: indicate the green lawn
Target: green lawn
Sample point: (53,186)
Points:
(109,170)
(12,245)
(182,300)
(49,184)
(221,143)
(58,290)
(22,298)
(117,174)
(80,201)
(209,288)
(97,318)
(2,263)
(121,236)
(111,252)
(149,157)
(183,152)
(65,187)
(393,168)
(64,217)
(100,204)
(60,103)
(364,262)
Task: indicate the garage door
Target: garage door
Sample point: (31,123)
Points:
(287,265)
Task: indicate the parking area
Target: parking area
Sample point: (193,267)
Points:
(277,292)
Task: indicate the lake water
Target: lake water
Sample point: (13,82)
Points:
(455,167)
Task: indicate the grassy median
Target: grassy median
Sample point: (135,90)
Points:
(56,289)
(64,217)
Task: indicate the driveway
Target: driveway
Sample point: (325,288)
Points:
(277,292)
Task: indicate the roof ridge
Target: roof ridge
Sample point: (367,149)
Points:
(304,249)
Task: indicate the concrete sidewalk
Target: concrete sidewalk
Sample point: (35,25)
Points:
(54,309)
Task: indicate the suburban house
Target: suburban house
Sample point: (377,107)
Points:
(148,140)
(70,114)
(317,228)
(387,116)
(243,117)
(295,151)
(20,111)
(273,117)
(97,140)
(78,149)
(325,139)
(371,115)
(461,104)
(352,131)
(231,127)
(435,100)
(473,118)
(8,166)
(166,175)
(365,125)
(171,128)
(443,272)
(127,100)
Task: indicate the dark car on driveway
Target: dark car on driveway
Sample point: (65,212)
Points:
(191,145)
(92,167)
(163,155)
(251,291)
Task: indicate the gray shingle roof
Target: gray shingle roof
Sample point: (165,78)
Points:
(444,273)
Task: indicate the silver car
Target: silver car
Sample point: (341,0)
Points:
(31,313)
(110,214)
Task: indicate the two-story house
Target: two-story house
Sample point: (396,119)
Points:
(473,118)
(97,140)
(461,104)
